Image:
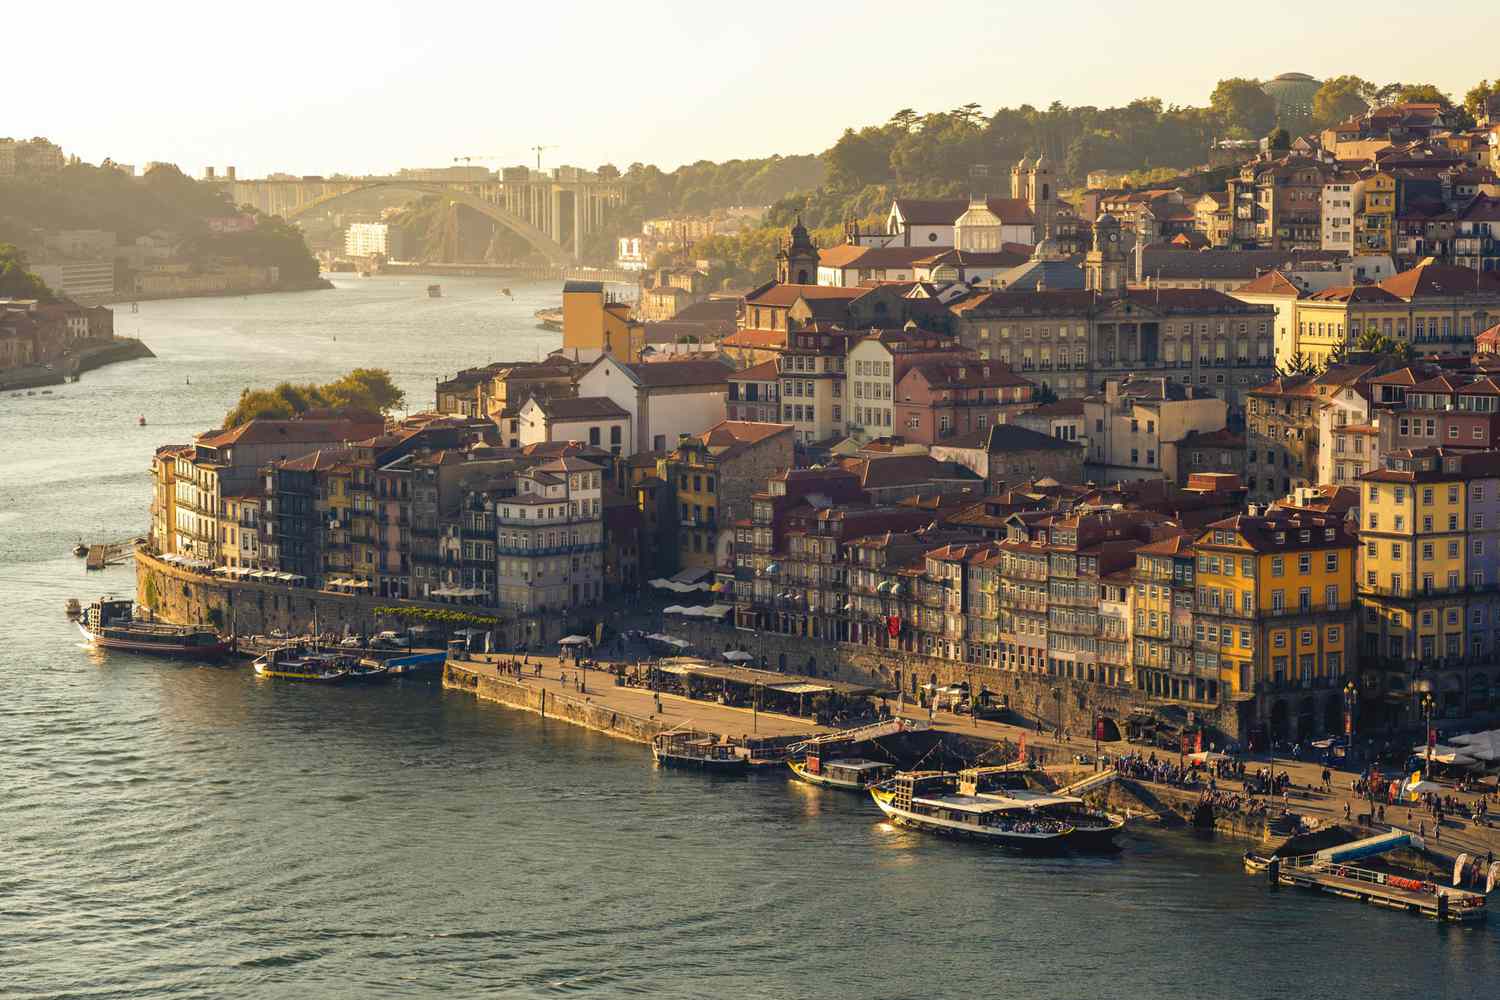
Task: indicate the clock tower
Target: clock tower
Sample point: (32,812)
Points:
(1104,265)
(797,260)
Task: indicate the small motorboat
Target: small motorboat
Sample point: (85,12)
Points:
(852,774)
(368,672)
(699,752)
(1256,863)
(80,550)
(73,608)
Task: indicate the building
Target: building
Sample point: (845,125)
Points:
(1136,424)
(1276,616)
(1293,94)
(1209,451)
(1277,203)
(1342,204)
(1291,423)
(1437,308)
(80,279)
(1063,420)
(1008,454)
(937,400)
(755,394)
(595,323)
(715,474)
(877,361)
(549,538)
(665,400)
(596,420)
(375,239)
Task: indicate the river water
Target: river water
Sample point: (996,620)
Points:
(177,830)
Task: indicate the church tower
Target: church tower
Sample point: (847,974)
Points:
(797,260)
(1041,195)
(1104,265)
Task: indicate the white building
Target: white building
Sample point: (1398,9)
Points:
(597,420)
(79,279)
(373,239)
(549,538)
(663,399)
(631,252)
(1134,426)
(1342,200)
(990,223)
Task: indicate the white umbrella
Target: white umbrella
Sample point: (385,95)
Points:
(573,640)
(1415,788)
(738,656)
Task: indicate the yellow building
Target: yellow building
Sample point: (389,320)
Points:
(1275,612)
(593,324)
(1414,513)
(1378,225)
(1163,608)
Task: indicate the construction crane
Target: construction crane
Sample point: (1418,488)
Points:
(538,151)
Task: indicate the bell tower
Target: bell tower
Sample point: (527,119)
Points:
(797,260)
(1104,265)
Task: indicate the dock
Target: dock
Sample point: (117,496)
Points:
(105,554)
(1424,898)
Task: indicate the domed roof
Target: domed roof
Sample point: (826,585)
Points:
(1106,219)
(1025,163)
(1294,86)
(1046,249)
(1041,163)
(1294,76)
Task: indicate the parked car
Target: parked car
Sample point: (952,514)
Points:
(391,640)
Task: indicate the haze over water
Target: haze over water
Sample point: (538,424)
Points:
(184,831)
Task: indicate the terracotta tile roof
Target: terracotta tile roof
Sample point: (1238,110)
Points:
(1353,293)
(582,408)
(847,255)
(762,339)
(777,294)
(319,461)
(735,433)
(1271,283)
(1172,545)
(1439,280)
(969,374)
(294,432)
(678,374)
(1281,528)
(766,371)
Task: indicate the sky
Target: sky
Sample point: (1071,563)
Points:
(371,86)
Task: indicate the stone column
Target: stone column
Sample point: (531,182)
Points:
(579,195)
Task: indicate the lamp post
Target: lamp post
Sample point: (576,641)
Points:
(1427,706)
(1351,696)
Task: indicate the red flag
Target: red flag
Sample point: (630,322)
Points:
(893,626)
(1021,748)
(1198,742)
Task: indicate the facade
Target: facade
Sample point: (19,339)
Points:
(1010,454)
(715,474)
(594,420)
(1342,205)
(374,239)
(1135,425)
(594,323)
(549,537)
(937,400)
(665,400)
(754,394)
(1276,615)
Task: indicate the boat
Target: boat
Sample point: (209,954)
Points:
(80,550)
(434,291)
(930,801)
(414,663)
(698,751)
(853,774)
(300,661)
(112,624)
(73,609)
(1093,829)
(550,319)
(368,672)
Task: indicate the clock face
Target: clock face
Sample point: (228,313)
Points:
(1114,237)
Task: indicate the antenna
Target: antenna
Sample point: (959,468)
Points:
(538,151)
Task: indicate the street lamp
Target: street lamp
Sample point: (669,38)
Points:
(1351,695)
(1427,706)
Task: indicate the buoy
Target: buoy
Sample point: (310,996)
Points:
(141,420)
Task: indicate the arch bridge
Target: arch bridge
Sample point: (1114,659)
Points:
(553,214)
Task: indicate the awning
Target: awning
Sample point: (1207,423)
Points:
(573,640)
(677,587)
(801,687)
(738,656)
(669,640)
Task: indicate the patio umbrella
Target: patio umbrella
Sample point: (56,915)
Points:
(573,640)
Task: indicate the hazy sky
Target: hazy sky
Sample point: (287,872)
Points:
(370,86)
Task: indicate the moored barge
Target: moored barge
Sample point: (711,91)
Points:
(112,624)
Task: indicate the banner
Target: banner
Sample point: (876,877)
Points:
(1348,723)
(1021,748)
(1198,742)
(893,626)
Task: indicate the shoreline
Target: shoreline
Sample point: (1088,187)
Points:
(89,359)
(322,284)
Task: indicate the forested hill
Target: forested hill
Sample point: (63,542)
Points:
(83,196)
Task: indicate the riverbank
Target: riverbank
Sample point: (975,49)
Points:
(70,365)
(319,285)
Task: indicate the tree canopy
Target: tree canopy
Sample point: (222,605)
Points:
(1341,97)
(16,282)
(368,390)
(1243,106)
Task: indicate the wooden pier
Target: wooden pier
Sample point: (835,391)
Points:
(1425,898)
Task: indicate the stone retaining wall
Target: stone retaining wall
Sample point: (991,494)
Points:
(1051,700)
(551,706)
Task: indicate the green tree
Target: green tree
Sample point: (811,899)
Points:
(1297,364)
(1279,139)
(1476,100)
(1372,341)
(364,389)
(1422,93)
(1243,106)
(16,282)
(1341,97)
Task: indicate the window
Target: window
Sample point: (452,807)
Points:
(1304,564)
(1331,562)
(1278,566)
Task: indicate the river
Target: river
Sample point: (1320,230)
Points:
(186,831)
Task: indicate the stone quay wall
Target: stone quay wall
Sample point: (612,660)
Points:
(550,705)
(1035,698)
(185,597)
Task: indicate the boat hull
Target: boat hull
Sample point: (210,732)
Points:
(1100,838)
(822,780)
(207,651)
(710,765)
(1029,842)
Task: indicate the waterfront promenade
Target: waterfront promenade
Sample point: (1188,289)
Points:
(1305,796)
